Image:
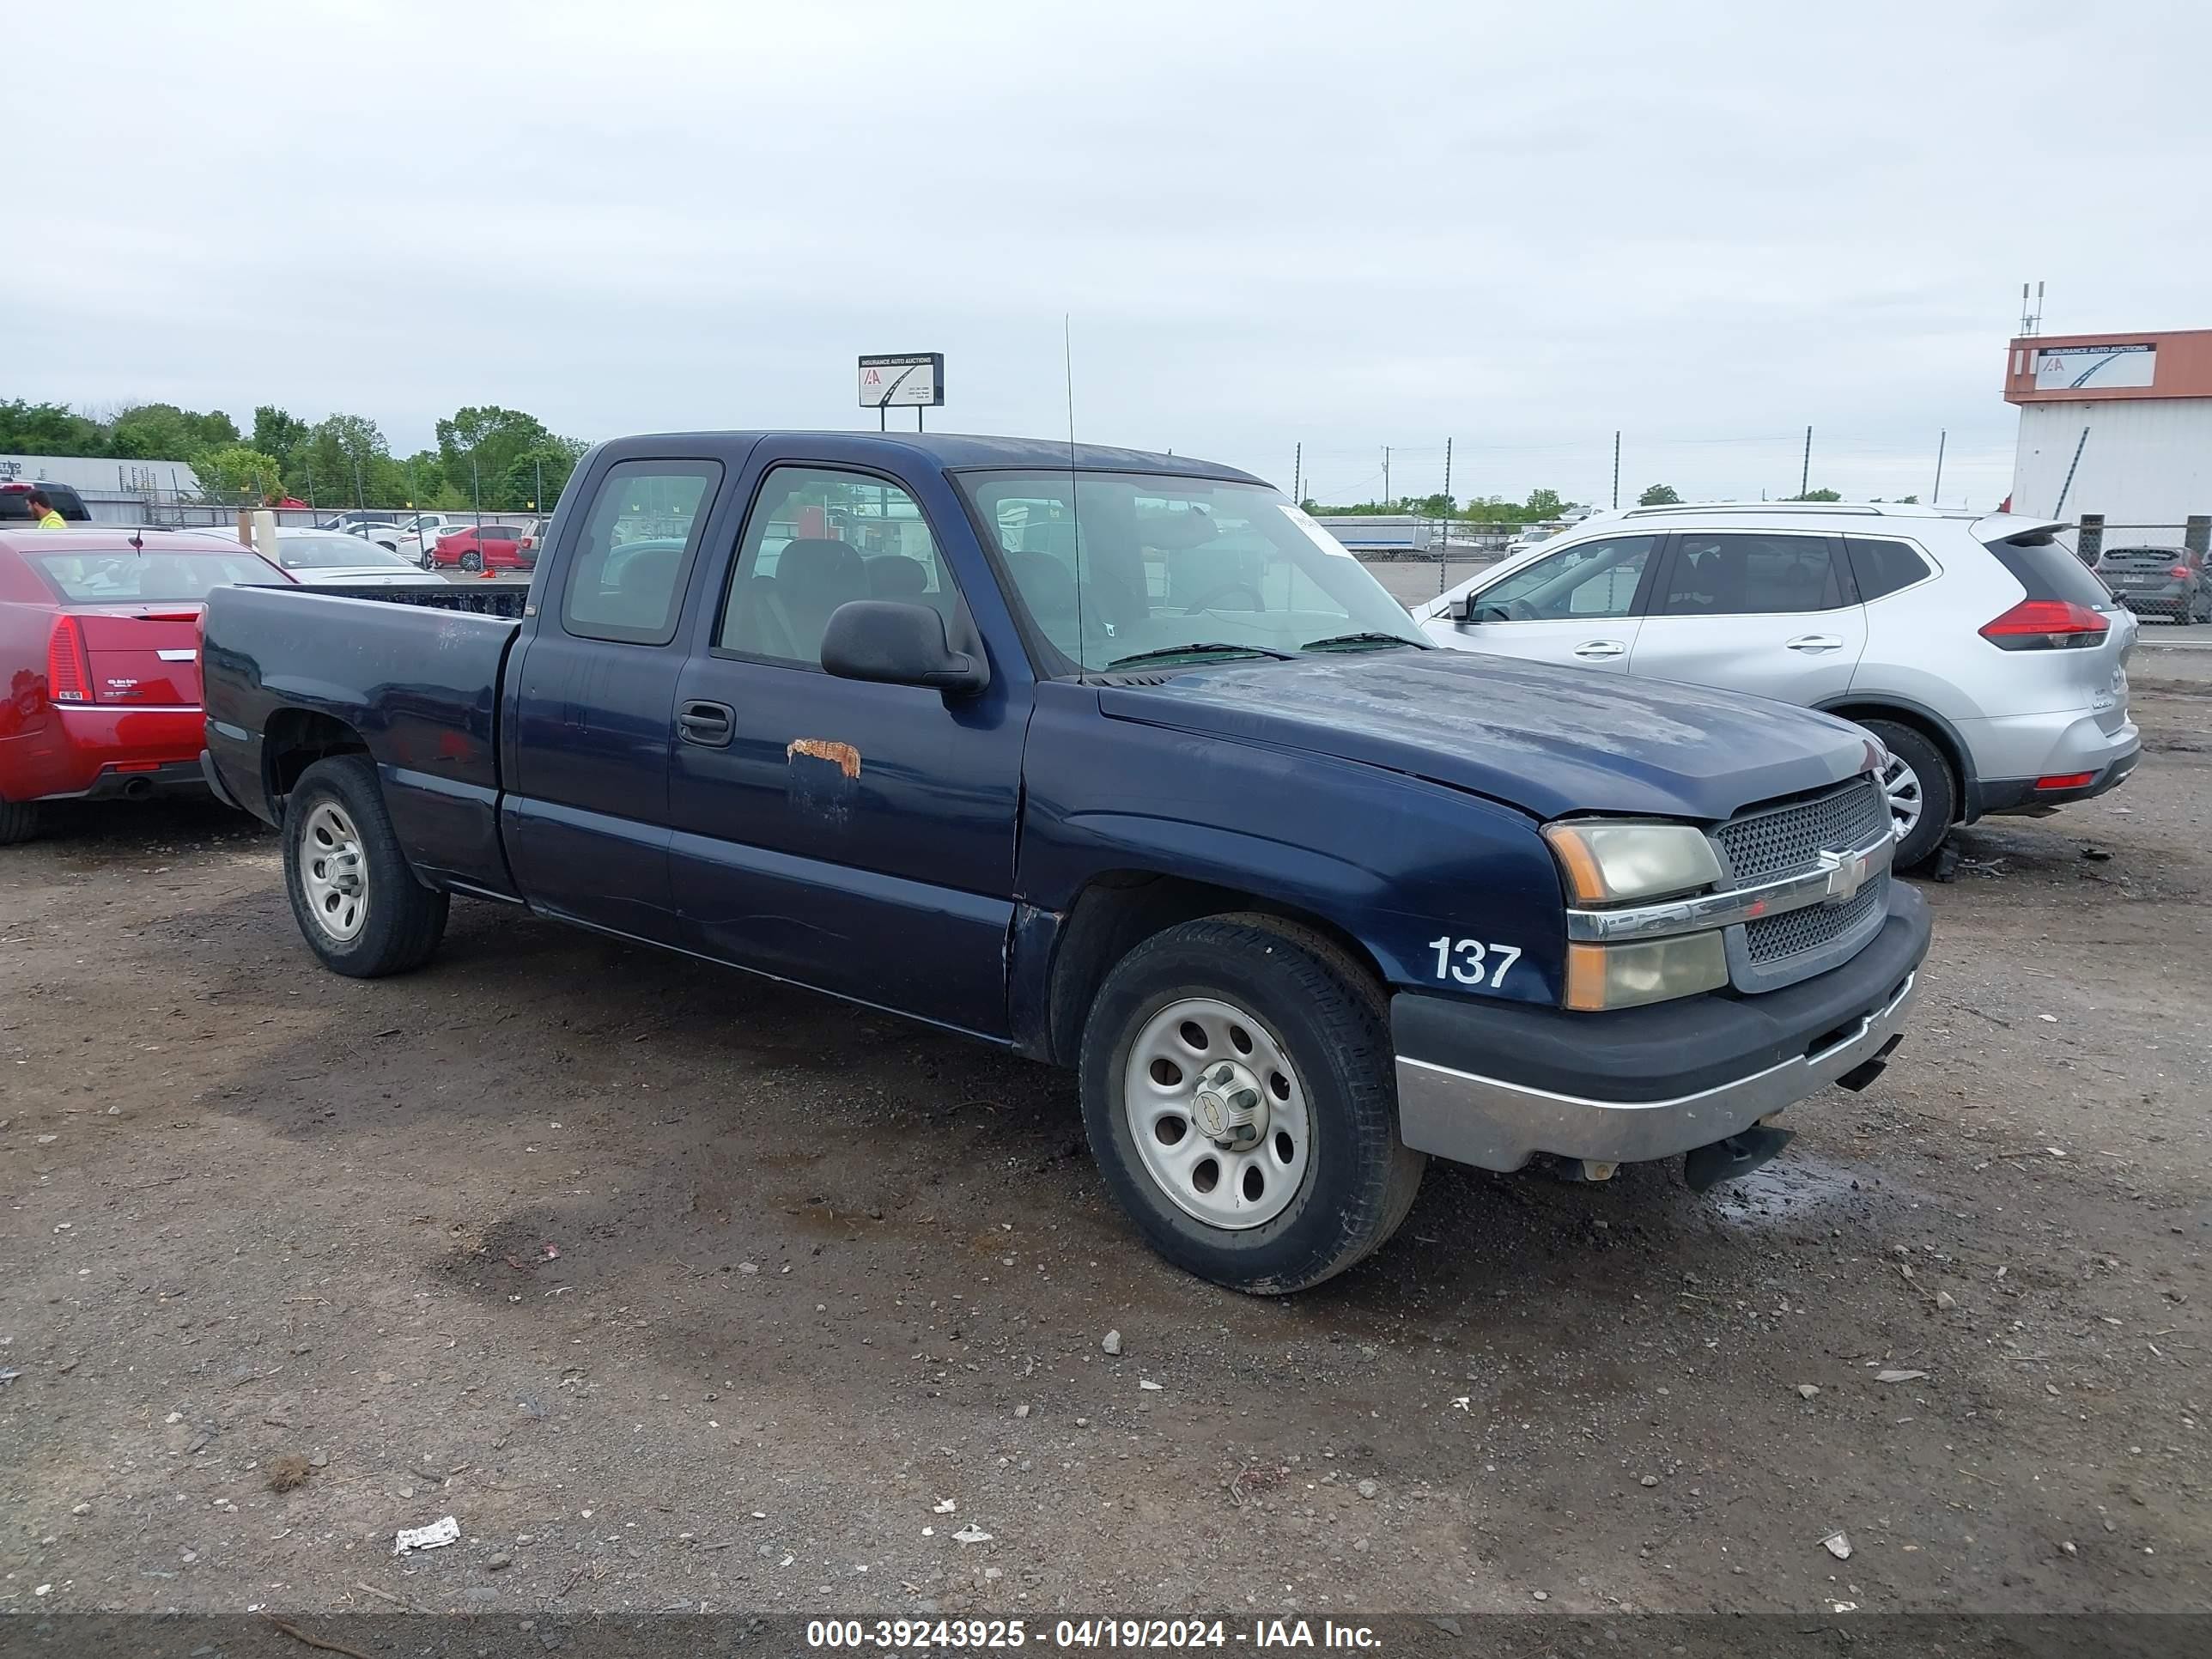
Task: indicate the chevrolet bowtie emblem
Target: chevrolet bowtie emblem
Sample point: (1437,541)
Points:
(1847,873)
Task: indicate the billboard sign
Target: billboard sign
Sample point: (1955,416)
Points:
(2093,368)
(914,379)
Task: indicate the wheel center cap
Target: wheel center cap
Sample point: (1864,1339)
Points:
(1230,1108)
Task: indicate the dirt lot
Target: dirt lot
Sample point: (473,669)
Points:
(821,1277)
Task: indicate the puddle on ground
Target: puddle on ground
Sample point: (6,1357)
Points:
(1790,1189)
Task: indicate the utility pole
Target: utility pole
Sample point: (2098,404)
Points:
(1936,495)
(1388,499)
(1616,467)
(357,500)
(1298,474)
(1805,478)
(538,502)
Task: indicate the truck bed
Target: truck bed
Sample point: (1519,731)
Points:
(411,673)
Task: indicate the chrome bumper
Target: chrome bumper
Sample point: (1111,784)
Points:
(1498,1124)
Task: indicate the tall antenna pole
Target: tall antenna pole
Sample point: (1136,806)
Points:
(1388,499)
(1805,478)
(1298,474)
(1936,495)
(1443,553)
(1616,467)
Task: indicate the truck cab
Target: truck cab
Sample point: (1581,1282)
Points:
(1120,761)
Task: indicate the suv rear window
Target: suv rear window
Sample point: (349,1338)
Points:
(16,502)
(1883,567)
(2048,571)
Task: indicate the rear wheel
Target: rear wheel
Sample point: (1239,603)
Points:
(1239,1092)
(353,893)
(1923,793)
(19,821)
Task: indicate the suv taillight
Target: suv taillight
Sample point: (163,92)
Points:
(2179,572)
(69,672)
(2045,625)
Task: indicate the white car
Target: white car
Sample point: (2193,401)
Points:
(339,556)
(1988,659)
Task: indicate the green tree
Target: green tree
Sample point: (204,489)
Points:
(1817,496)
(28,428)
(1908,500)
(1659,496)
(278,434)
(344,458)
(237,473)
(551,463)
(480,445)
(1544,504)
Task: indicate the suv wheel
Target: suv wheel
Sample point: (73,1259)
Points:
(1240,1094)
(353,892)
(1922,794)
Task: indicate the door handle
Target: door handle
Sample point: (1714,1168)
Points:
(1595,649)
(709,725)
(1810,643)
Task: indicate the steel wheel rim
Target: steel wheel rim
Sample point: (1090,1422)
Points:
(1175,1054)
(334,871)
(1900,786)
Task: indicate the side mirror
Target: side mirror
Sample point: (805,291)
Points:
(1472,610)
(894,642)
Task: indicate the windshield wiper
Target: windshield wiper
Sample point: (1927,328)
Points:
(1198,648)
(1341,641)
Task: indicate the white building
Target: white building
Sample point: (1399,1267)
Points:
(2116,427)
(115,492)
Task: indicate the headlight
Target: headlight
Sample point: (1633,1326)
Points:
(1608,861)
(1600,976)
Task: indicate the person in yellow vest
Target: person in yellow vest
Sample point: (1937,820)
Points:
(42,513)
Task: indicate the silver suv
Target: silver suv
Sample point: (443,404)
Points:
(1984,654)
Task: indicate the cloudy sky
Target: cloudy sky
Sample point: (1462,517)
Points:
(1521,227)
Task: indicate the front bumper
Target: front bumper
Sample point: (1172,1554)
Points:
(1493,1084)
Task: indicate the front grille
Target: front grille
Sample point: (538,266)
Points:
(1773,940)
(1787,839)
(1780,840)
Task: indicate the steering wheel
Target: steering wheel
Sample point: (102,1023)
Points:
(1206,600)
(1521,611)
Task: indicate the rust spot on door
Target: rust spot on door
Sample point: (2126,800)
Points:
(843,756)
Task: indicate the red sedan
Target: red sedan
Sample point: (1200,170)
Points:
(100,646)
(480,547)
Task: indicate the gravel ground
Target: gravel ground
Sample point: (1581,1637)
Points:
(678,1290)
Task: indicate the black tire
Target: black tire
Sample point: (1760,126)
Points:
(1939,790)
(19,821)
(472,562)
(1327,1017)
(402,920)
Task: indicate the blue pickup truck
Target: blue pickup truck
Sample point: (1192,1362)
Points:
(1118,761)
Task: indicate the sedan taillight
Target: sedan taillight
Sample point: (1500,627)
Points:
(2045,625)
(69,671)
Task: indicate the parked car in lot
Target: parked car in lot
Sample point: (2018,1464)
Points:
(482,547)
(15,502)
(2159,581)
(1990,663)
(99,637)
(418,536)
(1303,899)
(323,557)
(532,543)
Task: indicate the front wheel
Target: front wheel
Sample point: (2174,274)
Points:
(472,562)
(1922,794)
(353,893)
(1239,1092)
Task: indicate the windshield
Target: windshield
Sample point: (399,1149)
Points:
(1113,567)
(335,553)
(159,575)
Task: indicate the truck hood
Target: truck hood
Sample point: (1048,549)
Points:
(1552,741)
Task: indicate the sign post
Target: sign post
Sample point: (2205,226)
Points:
(912,380)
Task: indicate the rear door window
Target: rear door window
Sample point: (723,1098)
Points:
(1882,566)
(625,579)
(1745,573)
